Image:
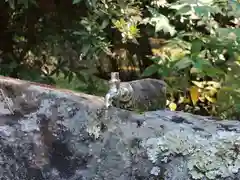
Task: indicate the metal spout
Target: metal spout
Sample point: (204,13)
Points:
(114,91)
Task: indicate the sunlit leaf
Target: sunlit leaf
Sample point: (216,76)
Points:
(214,84)
(229,33)
(168,102)
(199,84)
(182,9)
(194,70)
(196,46)
(181,99)
(76,1)
(211,90)
(202,10)
(210,99)
(172,106)
(150,70)
(160,22)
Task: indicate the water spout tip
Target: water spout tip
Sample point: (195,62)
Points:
(115,75)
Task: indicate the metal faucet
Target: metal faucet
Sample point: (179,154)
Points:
(114,91)
(118,92)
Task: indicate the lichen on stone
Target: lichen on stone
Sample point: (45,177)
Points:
(208,158)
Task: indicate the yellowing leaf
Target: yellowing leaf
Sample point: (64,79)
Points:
(172,106)
(194,94)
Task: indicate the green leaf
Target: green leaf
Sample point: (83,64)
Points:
(160,22)
(25,3)
(155,59)
(81,33)
(85,49)
(65,73)
(229,33)
(104,24)
(70,77)
(81,77)
(202,10)
(206,67)
(237,106)
(150,70)
(184,10)
(164,72)
(76,1)
(235,6)
(199,63)
(11,4)
(196,46)
(212,71)
(183,63)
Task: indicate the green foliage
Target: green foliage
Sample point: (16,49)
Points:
(74,38)
(128,29)
(159,21)
(85,83)
(204,57)
(25,3)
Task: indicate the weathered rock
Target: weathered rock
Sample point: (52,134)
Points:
(68,136)
(146,95)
